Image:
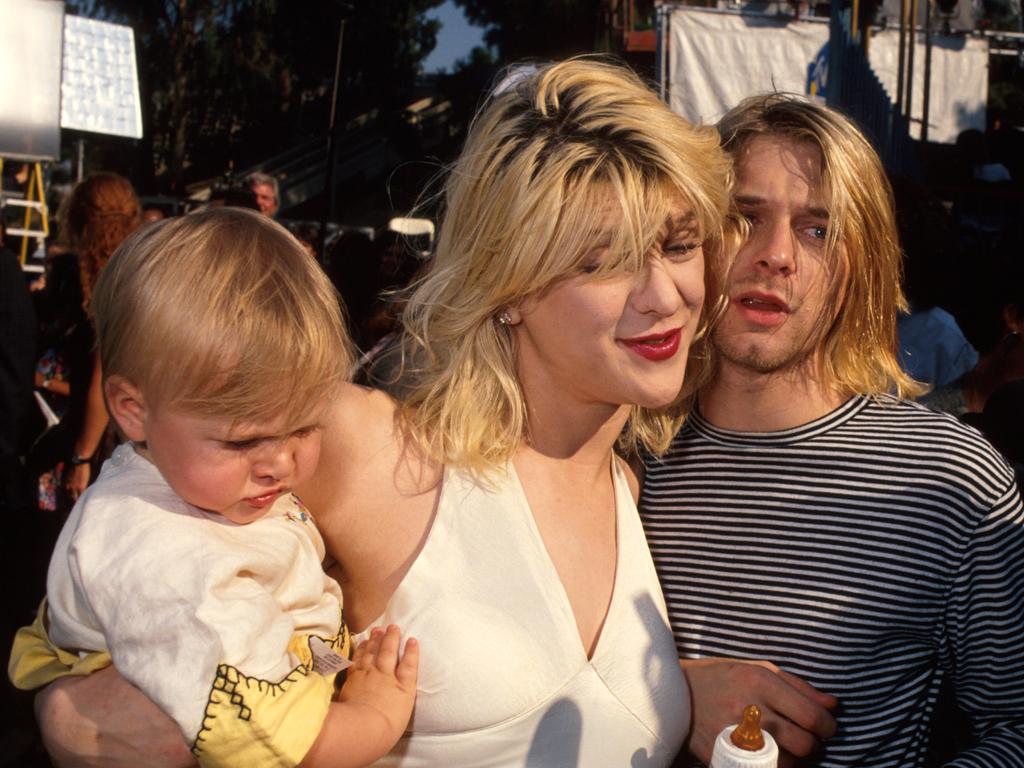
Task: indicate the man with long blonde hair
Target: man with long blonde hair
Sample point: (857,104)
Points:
(807,517)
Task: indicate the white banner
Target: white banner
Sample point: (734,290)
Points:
(959,82)
(717,59)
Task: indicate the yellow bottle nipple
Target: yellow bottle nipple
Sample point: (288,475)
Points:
(747,735)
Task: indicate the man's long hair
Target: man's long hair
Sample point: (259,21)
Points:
(857,341)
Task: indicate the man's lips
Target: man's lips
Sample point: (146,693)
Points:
(761,308)
(659,346)
(264,499)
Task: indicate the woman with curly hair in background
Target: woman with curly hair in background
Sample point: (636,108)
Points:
(95,218)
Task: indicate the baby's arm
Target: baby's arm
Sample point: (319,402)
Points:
(374,706)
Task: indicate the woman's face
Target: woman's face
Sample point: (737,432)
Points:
(619,338)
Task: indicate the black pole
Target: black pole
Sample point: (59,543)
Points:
(329,184)
(927,76)
(910,62)
(901,70)
(837,37)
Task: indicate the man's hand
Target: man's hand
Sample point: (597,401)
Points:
(794,712)
(103,720)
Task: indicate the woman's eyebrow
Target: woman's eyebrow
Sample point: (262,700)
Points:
(601,240)
(686,220)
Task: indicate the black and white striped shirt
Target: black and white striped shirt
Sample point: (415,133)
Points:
(873,552)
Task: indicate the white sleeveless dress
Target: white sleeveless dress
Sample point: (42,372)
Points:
(504,679)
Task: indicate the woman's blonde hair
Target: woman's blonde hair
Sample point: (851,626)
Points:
(547,153)
(858,340)
(101,211)
(224,313)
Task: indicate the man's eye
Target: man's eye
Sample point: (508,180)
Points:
(818,233)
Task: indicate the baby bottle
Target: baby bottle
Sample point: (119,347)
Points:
(745,745)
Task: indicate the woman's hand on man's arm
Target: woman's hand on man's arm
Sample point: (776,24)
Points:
(103,720)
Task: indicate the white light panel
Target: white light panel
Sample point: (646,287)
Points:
(30,35)
(100,86)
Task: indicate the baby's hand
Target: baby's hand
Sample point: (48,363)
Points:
(374,705)
(378,679)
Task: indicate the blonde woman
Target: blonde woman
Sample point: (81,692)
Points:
(488,512)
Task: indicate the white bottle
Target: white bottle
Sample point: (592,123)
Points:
(745,745)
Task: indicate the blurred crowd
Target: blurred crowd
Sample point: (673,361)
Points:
(963,249)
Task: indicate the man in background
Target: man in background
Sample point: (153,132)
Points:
(264,187)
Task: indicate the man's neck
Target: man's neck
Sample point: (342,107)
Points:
(743,400)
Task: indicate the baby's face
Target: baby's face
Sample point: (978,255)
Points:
(234,470)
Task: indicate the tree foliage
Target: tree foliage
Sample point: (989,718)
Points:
(227,83)
(548,29)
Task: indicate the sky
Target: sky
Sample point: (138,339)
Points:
(455,39)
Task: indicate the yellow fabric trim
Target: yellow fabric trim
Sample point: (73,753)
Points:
(252,722)
(35,661)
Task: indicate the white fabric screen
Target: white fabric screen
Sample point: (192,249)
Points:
(717,59)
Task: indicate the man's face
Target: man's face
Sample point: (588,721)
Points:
(779,281)
(265,199)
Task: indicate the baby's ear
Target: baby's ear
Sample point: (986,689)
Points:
(127,407)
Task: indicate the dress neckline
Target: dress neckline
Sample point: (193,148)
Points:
(508,481)
(558,591)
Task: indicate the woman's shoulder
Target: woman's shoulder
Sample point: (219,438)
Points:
(365,455)
(357,429)
(373,497)
(368,422)
(360,409)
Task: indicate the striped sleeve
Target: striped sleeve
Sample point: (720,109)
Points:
(986,632)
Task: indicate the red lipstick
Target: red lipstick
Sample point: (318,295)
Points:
(655,347)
